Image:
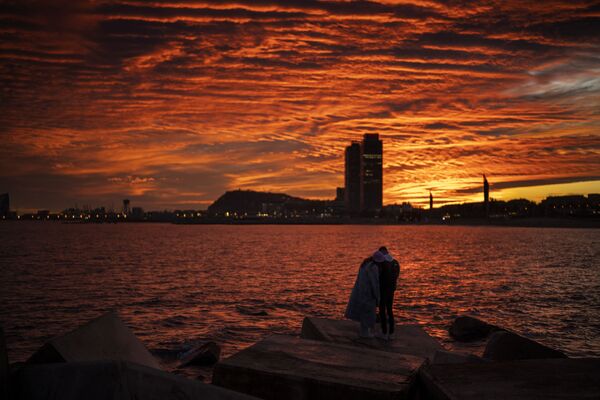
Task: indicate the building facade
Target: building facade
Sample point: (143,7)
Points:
(363,191)
(4,205)
(352,178)
(372,173)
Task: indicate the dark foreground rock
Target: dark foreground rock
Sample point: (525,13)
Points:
(451,357)
(205,354)
(104,338)
(524,379)
(505,345)
(3,366)
(110,380)
(408,339)
(286,367)
(468,329)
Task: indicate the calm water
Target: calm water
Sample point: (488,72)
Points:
(177,285)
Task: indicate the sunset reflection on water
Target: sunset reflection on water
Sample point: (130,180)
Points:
(176,285)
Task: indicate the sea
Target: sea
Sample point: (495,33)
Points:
(177,286)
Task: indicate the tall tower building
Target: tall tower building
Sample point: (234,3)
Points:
(352,178)
(430,201)
(486,196)
(4,205)
(371,173)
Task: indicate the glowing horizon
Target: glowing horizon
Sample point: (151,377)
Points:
(173,103)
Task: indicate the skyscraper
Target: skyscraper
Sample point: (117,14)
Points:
(352,190)
(4,205)
(430,201)
(371,173)
(486,196)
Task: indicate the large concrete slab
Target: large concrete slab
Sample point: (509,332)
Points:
(523,379)
(104,338)
(506,346)
(110,380)
(3,366)
(408,339)
(287,367)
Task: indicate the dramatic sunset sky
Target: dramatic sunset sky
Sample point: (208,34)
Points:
(172,103)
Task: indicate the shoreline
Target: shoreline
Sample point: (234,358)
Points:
(479,222)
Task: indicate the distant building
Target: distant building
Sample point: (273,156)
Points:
(486,196)
(372,173)
(352,178)
(430,201)
(339,195)
(137,212)
(4,205)
(126,203)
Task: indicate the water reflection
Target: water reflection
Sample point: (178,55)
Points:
(236,284)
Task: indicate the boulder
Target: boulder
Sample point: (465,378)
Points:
(467,329)
(104,338)
(205,354)
(506,345)
(287,367)
(3,366)
(451,357)
(407,339)
(110,380)
(568,378)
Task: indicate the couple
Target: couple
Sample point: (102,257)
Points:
(375,286)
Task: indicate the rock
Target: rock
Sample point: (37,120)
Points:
(467,329)
(450,357)
(205,354)
(104,338)
(251,311)
(108,380)
(510,346)
(287,367)
(3,366)
(407,339)
(524,379)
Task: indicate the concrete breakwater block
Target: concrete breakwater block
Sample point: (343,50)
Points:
(510,346)
(287,367)
(104,338)
(452,357)
(566,378)
(408,339)
(468,329)
(3,366)
(110,380)
(205,354)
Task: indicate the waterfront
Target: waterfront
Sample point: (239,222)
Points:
(237,284)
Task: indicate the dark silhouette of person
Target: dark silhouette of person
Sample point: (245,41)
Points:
(388,278)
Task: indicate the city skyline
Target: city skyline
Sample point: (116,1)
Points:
(172,104)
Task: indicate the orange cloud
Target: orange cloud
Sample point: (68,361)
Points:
(172,103)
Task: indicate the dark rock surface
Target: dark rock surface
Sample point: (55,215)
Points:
(407,339)
(108,380)
(565,378)
(505,345)
(205,354)
(287,367)
(3,366)
(451,357)
(468,329)
(251,311)
(104,338)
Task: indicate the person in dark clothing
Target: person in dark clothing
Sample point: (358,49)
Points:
(388,278)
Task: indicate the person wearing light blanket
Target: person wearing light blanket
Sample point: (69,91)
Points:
(365,294)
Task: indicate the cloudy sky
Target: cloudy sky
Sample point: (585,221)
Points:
(172,103)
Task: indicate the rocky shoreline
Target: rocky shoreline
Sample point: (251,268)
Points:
(104,360)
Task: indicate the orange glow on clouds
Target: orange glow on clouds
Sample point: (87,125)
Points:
(172,103)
